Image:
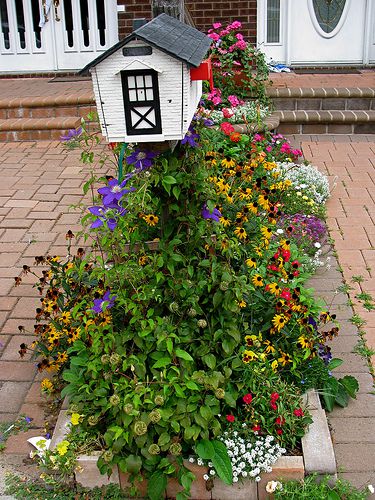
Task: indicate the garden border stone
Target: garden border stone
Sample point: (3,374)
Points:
(318,456)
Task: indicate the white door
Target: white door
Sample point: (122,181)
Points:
(315,32)
(53,35)
(370,34)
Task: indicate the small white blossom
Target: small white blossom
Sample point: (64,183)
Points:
(191,460)
(371,489)
(206,477)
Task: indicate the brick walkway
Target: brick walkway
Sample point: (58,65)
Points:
(39,181)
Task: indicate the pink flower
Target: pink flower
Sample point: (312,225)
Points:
(297,152)
(298,412)
(247,399)
(227,113)
(230,418)
(214,36)
(285,148)
(227,128)
(233,100)
(239,36)
(224,32)
(269,149)
(216,26)
(258,137)
(235,25)
(241,44)
(217,100)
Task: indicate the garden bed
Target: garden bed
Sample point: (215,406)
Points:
(317,449)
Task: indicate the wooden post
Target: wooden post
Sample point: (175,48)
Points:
(174,8)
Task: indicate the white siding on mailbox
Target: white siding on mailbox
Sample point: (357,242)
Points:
(177,101)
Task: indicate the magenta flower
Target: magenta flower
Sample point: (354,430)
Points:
(234,101)
(216,26)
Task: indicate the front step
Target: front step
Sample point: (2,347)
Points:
(42,118)
(324,110)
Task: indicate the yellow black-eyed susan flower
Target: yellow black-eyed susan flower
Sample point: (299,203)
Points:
(279,321)
(228,162)
(284,359)
(251,262)
(257,280)
(240,233)
(274,288)
(151,219)
(224,221)
(266,232)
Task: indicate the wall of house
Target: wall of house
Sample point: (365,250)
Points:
(173,76)
(203,12)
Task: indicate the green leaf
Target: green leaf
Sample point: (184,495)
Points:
(222,463)
(164,439)
(205,449)
(70,377)
(330,390)
(183,355)
(160,363)
(192,386)
(351,385)
(334,363)
(210,360)
(157,484)
(169,346)
(342,397)
(333,495)
(133,464)
(168,179)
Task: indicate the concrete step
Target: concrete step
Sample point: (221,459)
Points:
(327,122)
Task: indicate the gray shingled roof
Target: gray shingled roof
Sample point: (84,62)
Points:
(169,35)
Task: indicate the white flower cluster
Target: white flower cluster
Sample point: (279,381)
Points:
(248,112)
(306,179)
(249,459)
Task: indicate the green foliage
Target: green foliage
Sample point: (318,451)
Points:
(309,489)
(217,453)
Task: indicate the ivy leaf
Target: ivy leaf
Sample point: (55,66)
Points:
(221,462)
(157,484)
(180,353)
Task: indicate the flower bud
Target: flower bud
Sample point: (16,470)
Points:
(192,312)
(175,449)
(220,393)
(154,449)
(173,306)
(115,359)
(140,428)
(224,285)
(128,408)
(93,420)
(159,400)
(114,400)
(202,323)
(107,456)
(105,359)
(155,416)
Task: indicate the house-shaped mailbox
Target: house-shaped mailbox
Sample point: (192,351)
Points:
(148,86)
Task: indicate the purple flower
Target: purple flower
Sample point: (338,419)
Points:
(103,214)
(114,192)
(28,420)
(48,435)
(325,353)
(71,134)
(106,302)
(190,138)
(141,159)
(214,215)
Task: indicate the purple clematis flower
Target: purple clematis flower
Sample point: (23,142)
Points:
(73,133)
(101,214)
(214,215)
(325,353)
(141,159)
(99,306)
(114,192)
(190,138)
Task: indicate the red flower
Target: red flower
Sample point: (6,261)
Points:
(273,406)
(256,428)
(298,412)
(274,396)
(230,418)
(285,294)
(247,399)
(285,254)
(227,128)
(295,264)
(279,432)
(280,421)
(235,137)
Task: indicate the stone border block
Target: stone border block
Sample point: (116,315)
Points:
(317,446)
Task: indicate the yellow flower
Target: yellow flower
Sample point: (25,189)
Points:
(284,359)
(251,340)
(303,342)
(263,201)
(46,385)
(62,357)
(76,418)
(285,244)
(89,323)
(248,356)
(56,258)
(151,219)
(65,317)
(69,265)
(253,207)
(240,216)
(240,233)
(228,162)
(269,349)
(62,448)
(241,304)
(257,280)
(73,335)
(266,232)
(225,221)
(244,194)
(269,165)
(251,262)
(224,245)
(274,288)
(142,260)
(279,321)
(274,365)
